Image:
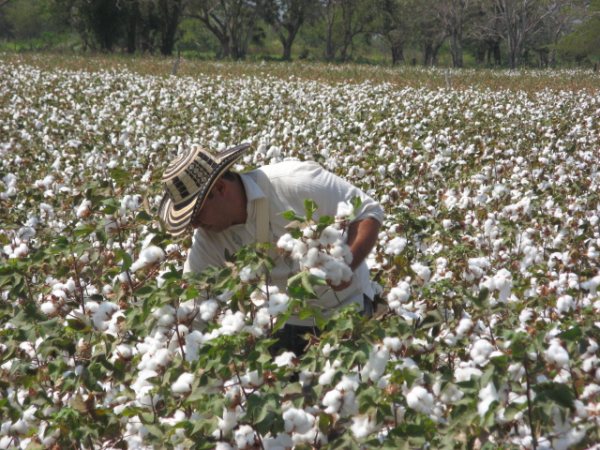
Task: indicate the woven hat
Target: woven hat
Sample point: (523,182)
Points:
(188,180)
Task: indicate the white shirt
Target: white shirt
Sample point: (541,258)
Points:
(292,182)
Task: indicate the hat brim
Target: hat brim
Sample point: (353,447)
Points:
(175,218)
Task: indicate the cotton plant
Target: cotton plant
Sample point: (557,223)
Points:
(487,261)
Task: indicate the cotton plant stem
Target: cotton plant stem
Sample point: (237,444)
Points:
(529,403)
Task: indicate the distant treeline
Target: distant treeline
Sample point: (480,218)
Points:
(483,32)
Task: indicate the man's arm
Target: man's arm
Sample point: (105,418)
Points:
(362,236)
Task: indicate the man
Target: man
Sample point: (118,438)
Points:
(230,210)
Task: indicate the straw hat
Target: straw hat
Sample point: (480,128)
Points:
(188,180)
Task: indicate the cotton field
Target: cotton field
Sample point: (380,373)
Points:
(488,267)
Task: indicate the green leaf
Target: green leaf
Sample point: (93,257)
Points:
(572,335)
(556,392)
(310,207)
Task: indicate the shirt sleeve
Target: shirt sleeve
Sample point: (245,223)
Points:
(327,190)
(204,252)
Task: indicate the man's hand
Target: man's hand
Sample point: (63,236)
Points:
(362,236)
(342,285)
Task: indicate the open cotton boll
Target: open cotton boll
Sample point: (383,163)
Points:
(332,401)
(183,384)
(148,256)
(395,246)
(286,242)
(208,309)
(103,314)
(420,400)
(344,211)
(422,271)
(363,425)
(297,421)
(286,359)
(564,304)
(278,303)
(375,366)
(556,354)
(481,351)
(48,308)
(247,274)
(84,209)
(330,235)
(487,396)
(244,437)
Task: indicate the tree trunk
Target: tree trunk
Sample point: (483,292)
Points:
(132,22)
(456,50)
(397,54)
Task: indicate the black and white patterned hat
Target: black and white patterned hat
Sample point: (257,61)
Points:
(188,180)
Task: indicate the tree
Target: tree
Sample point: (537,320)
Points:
(431,32)
(231,21)
(394,26)
(454,15)
(286,17)
(520,19)
(584,41)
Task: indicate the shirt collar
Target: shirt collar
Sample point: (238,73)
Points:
(253,193)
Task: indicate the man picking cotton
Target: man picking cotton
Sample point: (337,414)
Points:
(228,210)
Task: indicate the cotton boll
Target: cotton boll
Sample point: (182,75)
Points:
(103,314)
(183,385)
(395,246)
(244,437)
(420,400)
(332,401)
(286,359)
(278,303)
(362,426)
(564,304)
(464,326)
(84,209)
(247,274)
(481,351)
(487,396)
(344,211)
(232,323)
(375,366)
(393,344)
(297,421)
(556,354)
(422,271)
(48,308)
(148,256)
(329,236)
(208,309)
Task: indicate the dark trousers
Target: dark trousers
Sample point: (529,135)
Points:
(291,337)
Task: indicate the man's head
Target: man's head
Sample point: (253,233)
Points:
(189,180)
(224,206)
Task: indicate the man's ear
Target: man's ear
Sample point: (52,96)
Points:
(220,186)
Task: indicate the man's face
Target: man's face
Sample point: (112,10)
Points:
(216,213)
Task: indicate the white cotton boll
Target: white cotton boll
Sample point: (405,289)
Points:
(446,223)
(286,359)
(332,401)
(422,271)
(329,371)
(282,441)
(278,303)
(193,343)
(362,426)
(124,351)
(569,439)
(148,256)
(223,446)
(247,274)
(84,209)
(232,323)
(165,316)
(286,242)
(591,285)
(229,421)
(399,294)
(487,396)
(183,385)
(393,344)
(297,421)
(48,308)
(464,326)
(395,246)
(251,379)
(329,236)
(208,309)
(20,427)
(244,437)
(344,211)
(564,304)
(420,400)
(481,351)
(299,250)
(309,232)
(556,354)
(318,272)
(375,366)
(311,259)
(103,314)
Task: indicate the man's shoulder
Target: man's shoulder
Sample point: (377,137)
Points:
(290,168)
